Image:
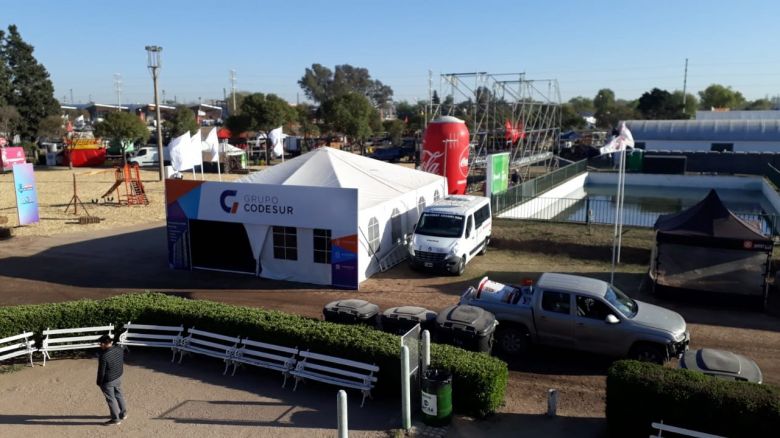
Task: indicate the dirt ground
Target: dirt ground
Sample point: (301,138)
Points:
(105,262)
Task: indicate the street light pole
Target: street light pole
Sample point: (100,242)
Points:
(153,56)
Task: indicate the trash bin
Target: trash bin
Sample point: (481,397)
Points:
(399,320)
(635,160)
(468,327)
(436,397)
(351,312)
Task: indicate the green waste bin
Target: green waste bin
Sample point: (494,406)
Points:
(635,161)
(437,397)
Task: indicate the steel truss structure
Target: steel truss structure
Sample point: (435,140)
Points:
(488,102)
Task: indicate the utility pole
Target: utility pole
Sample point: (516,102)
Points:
(118,90)
(154,65)
(71,96)
(233,89)
(685,82)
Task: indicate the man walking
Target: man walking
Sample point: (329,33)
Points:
(109,378)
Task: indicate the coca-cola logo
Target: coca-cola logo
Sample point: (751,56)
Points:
(431,162)
(464,162)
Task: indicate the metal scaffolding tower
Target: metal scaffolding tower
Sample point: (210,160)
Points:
(491,103)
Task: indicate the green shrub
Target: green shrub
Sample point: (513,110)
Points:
(640,393)
(479,380)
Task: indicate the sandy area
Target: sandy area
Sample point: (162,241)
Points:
(193,399)
(55,191)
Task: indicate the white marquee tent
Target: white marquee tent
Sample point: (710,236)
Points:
(390,200)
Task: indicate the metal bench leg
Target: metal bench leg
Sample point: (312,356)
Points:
(227,365)
(363,400)
(285,380)
(181,355)
(45,354)
(174,355)
(297,379)
(31,360)
(235,367)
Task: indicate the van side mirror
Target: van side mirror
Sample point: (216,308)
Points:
(612,319)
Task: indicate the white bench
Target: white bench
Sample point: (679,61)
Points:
(661,427)
(208,344)
(323,368)
(18,345)
(144,335)
(53,341)
(260,354)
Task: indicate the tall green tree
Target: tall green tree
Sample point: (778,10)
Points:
(690,105)
(660,104)
(51,127)
(31,91)
(183,120)
(9,120)
(582,104)
(604,103)
(760,104)
(719,96)
(320,84)
(413,115)
(570,118)
(267,111)
(351,114)
(123,129)
(394,129)
(306,121)
(5,73)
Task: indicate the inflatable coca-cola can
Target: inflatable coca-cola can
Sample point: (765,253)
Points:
(445,151)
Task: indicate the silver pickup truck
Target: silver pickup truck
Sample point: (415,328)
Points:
(580,313)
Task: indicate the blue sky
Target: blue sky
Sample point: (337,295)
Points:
(628,46)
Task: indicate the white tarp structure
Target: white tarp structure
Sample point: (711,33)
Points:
(390,200)
(276,136)
(179,148)
(211,146)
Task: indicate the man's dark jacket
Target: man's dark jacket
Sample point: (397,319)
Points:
(110,365)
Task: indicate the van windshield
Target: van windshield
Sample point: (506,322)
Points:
(440,225)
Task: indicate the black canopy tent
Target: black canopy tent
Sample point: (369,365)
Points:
(708,248)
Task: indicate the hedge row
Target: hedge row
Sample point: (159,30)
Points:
(479,381)
(640,393)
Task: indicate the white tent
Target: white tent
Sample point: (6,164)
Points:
(390,200)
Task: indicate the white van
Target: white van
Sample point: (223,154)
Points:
(450,233)
(147,156)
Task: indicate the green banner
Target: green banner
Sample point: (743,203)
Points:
(497,179)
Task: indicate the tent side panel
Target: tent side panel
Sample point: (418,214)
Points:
(729,271)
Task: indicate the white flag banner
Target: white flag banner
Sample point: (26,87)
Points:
(213,145)
(277,140)
(624,140)
(195,151)
(178,148)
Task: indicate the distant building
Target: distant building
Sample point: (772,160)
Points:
(98,111)
(729,135)
(738,115)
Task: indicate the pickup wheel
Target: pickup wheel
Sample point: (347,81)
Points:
(512,341)
(648,353)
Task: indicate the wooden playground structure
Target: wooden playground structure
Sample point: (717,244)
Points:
(129,178)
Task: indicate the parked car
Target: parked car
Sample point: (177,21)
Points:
(722,364)
(580,313)
(391,154)
(450,233)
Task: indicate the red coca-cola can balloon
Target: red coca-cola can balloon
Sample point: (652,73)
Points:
(445,152)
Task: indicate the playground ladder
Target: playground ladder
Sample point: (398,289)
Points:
(133,186)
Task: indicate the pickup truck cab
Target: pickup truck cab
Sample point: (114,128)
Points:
(451,232)
(580,313)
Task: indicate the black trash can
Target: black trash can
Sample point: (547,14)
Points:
(351,312)
(399,320)
(436,397)
(467,327)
